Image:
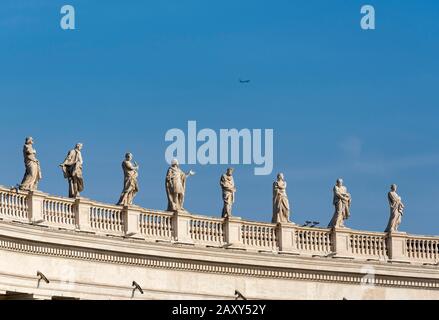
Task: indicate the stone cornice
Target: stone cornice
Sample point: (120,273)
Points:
(28,239)
(88,290)
(141,226)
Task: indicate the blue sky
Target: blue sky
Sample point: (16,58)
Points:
(362,105)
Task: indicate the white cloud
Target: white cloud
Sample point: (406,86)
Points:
(351,146)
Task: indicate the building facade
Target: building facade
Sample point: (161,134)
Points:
(58,248)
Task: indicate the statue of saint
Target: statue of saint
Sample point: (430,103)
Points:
(229,190)
(342,203)
(281,205)
(33,170)
(396,209)
(72,169)
(131,187)
(176,186)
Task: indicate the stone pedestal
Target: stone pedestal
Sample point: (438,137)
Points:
(233,232)
(397,247)
(341,244)
(182,227)
(83,207)
(286,238)
(131,221)
(35,203)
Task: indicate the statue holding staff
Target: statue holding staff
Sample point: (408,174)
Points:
(131,187)
(33,174)
(342,203)
(281,204)
(396,209)
(176,186)
(72,169)
(228,186)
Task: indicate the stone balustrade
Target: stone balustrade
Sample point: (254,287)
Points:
(58,212)
(156,225)
(313,241)
(207,231)
(14,206)
(84,215)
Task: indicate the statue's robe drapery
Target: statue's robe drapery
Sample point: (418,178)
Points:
(342,204)
(396,211)
(228,187)
(131,187)
(33,171)
(72,168)
(175,188)
(281,204)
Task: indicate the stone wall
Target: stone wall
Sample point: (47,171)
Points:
(90,250)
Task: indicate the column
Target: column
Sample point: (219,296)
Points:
(397,247)
(83,207)
(286,238)
(131,219)
(341,243)
(233,232)
(36,206)
(181,223)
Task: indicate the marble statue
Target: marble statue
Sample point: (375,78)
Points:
(281,205)
(72,169)
(33,170)
(228,186)
(176,186)
(131,187)
(396,209)
(342,203)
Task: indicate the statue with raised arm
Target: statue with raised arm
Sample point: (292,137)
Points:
(72,169)
(396,209)
(131,187)
(281,204)
(228,186)
(33,170)
(176,186)
(342,203)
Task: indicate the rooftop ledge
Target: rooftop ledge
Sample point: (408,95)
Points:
(182,228)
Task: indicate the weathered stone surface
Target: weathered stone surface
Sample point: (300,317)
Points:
(130,185)
(281,204)
(33,174)
(72,169)
(342,203)
(86,249)
(396,209)
(176,186)
(228,187)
